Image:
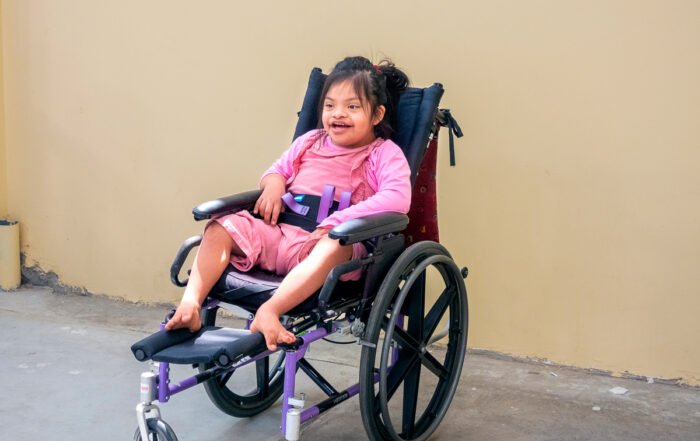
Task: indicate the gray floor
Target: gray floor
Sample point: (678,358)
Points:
(67,373)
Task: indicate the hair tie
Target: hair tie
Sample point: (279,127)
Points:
(378,69)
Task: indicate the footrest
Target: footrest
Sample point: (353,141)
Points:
(222,346)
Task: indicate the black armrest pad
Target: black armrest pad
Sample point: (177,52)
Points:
(228,204)
(367,227)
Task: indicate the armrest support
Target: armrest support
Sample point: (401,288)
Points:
(228,204)
(367,227)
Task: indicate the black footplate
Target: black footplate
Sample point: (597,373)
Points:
(222,346)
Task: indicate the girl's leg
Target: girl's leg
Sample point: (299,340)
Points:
(302,281)
(209,263)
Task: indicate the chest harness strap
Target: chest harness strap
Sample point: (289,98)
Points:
(307,211)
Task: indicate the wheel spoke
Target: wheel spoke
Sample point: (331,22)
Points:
(437,311)
(416,308)
(224,379)
(433,365)
(410,399)
(404,340)
(262,371)
(398,373)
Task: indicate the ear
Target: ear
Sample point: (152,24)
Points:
(378,115)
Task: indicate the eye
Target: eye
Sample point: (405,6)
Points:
(328,106)
(353,107)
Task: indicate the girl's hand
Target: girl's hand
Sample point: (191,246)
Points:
(269,204)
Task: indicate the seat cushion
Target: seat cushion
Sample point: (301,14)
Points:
(251,289)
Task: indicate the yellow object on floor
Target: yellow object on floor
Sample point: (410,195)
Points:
(10,277)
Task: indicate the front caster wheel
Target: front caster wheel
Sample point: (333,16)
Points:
(158,430)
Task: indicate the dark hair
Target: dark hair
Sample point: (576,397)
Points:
(375,85)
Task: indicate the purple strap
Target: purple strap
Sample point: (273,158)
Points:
(326,200)
(293,205)
(344,200)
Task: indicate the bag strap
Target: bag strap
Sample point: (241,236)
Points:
(446,119)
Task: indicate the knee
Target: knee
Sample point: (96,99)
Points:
(335,248)
(213,229)
(214,232)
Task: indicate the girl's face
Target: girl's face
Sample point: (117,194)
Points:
(346,121)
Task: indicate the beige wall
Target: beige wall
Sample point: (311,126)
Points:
(575,198)
(3,154)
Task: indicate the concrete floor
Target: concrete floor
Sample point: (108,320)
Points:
(67,373)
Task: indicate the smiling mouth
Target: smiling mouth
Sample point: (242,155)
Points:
(339,125)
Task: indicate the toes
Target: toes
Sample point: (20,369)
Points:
(173,323)
(271,343)
(286,337)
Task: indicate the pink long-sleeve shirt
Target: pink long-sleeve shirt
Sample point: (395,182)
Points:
(378,174)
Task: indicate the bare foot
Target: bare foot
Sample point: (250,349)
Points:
(269,324)
(186,316)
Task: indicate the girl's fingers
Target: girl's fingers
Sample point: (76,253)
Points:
(263,210)
(268,210)
(268,213)
(275,213)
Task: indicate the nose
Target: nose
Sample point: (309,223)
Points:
(338,111)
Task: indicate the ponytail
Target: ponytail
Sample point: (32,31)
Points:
(396,83)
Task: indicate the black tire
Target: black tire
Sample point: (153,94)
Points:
(403,293)
(244,401)
(158,430)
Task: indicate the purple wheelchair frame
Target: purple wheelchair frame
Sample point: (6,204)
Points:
(293,356)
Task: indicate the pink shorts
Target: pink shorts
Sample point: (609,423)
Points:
(275,248)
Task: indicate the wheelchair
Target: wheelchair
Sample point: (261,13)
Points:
(387,312)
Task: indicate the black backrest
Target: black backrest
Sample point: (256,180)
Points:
(416,115)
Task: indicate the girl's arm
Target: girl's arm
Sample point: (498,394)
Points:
(274,182)
(393,181)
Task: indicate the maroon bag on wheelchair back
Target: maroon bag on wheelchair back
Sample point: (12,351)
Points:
(423,212)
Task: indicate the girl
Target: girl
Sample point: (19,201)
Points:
(351,152)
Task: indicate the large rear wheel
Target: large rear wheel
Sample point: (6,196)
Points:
(248,390)
(406,381)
